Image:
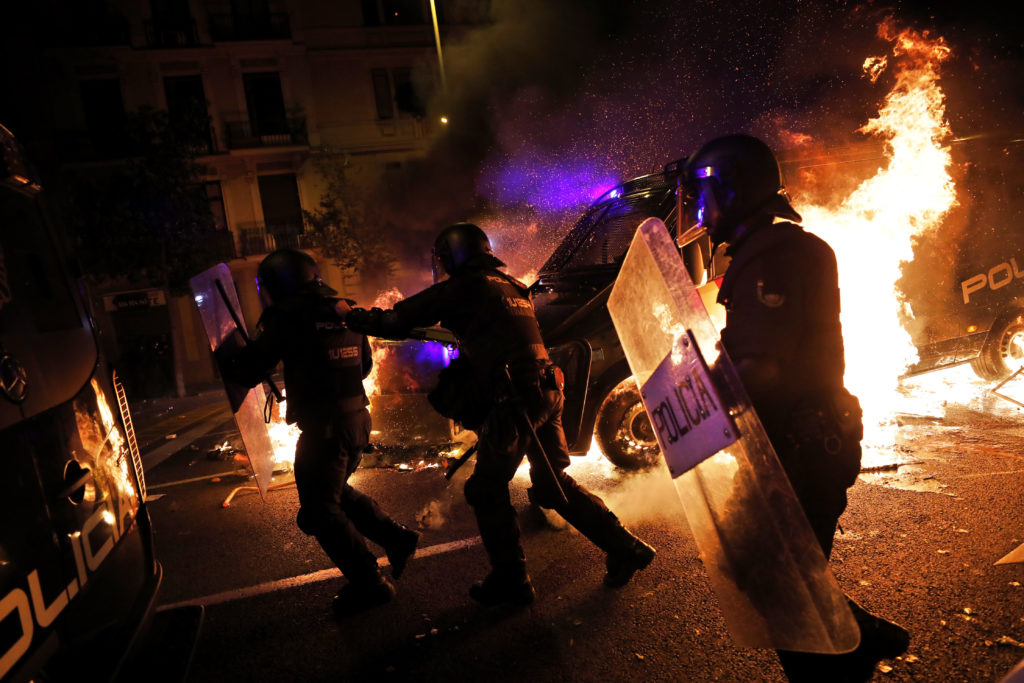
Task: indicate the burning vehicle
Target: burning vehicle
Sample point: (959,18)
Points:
(964,289)
(78,574)
(962,295)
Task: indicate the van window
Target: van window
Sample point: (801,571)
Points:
(31,276)
(603,235)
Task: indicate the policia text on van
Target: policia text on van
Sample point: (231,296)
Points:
(78,575)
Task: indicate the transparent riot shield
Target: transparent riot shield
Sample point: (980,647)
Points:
(247,404)
(767,569)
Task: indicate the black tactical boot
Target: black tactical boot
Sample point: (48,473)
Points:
(359,597)
(622,564)
(879,639)
(401,550)
(495,590)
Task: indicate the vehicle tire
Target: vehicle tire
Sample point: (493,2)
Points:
(623,430)
(1003,352)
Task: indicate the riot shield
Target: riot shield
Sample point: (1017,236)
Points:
(767,569)
(1014,556)
(247,404)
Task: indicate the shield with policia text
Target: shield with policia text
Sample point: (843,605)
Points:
(768,571)
(215,295)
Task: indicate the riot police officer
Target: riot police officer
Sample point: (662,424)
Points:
(519,392)
(324,365)
(783,333)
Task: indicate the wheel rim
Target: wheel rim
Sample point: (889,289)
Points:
(1012,348)
(635,434)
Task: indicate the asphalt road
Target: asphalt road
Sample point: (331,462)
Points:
(918,546)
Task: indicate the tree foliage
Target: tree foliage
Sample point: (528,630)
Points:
(347,226)
(145,218)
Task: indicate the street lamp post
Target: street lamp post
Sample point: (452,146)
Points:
(440,58)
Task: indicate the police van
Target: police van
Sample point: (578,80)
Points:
(78,575)
(965,286)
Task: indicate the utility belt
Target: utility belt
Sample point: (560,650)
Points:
(532,375)
(826,431)
(829,422)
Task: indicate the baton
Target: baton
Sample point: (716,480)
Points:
(241,330)
(454,467)
(524,420)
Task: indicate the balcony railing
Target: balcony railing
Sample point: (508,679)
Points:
(260,238)
(222,245)
(272,26)
(171,33)
(273,133)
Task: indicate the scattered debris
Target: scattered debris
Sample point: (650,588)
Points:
(1007,640)
(171,436)
(1015,584)
(943,552)
(639,656)
(884,668)
(911,658)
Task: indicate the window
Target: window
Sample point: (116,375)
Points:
(265,102)
(186,108)
(215,196)
(103,111)
(395,93)
(382,94)
(282,212)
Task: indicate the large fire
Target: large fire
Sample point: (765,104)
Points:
(873,229)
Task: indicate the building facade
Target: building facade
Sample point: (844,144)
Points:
(285,83)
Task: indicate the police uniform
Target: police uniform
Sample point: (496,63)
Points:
(324,365)
(781,294)
(492,316)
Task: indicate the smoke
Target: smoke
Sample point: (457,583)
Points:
(550,104)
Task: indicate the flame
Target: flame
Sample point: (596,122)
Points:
(284,437)
(872,231)
(385,299)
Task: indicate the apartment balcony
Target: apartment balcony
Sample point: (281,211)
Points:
(263,238)
(221,245)
(289,131)
(232,27)
(164,33)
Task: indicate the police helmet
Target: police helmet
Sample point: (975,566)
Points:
(731,180)
(461,243)
(287,272)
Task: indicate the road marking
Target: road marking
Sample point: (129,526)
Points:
(158,455)
(314,577)
(193,479)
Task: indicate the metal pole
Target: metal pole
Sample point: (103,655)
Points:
(440,57)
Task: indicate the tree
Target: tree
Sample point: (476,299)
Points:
(145,218)
(348,226)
